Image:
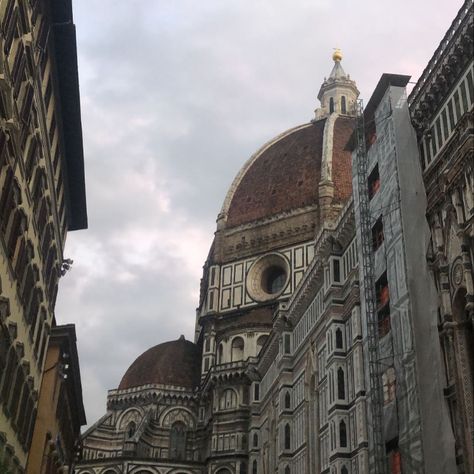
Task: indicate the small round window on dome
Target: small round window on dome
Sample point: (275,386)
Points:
(273,279)
(268,277)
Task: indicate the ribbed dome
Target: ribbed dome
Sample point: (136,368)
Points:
(171,363)
(284,174)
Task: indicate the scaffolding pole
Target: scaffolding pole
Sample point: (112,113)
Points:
(375,376)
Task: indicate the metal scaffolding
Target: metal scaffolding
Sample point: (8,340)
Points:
(375,377)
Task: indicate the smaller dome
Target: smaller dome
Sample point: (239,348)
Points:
(170,363)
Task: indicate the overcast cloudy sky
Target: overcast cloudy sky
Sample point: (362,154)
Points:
(176,95)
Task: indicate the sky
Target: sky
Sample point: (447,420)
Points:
(175,97)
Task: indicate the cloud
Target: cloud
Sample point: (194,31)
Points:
(175,97)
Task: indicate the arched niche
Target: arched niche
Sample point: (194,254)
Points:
(237,349)
(177,446)
(228,399)
(130,415)
(223,470)
(174,414)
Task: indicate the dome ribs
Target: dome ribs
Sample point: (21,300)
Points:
(269,186)
(342,160)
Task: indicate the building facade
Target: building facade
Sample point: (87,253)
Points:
(42,197)
(309,402)
(442,113)
(317,345)
(55,442)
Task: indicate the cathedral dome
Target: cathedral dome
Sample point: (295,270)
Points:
(284,174)
(170,363)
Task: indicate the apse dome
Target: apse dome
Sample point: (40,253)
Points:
(170,363)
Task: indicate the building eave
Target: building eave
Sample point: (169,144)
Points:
(459,26)
(65,52)
(65,337)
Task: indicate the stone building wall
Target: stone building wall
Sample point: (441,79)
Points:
(441,107)
(42,197)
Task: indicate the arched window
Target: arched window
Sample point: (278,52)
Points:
(287,470)
(254,468)
(255,440)
(237,349)
(131,429)
(344,470)
(342,434)
(17,384)
(17,229)
(343,104)
(287,400)
(10,199)
(331,105)
(12,362)
(287,436)
(243,468)
(261,342)
(178,441)
(341,389)
(339,342)
(4,343)
(228,399)
(41,321)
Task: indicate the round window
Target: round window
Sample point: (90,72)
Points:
(268,277)
(273,279)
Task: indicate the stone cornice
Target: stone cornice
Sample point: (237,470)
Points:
(442,71)
(225,373)
(147,394)
(268,220)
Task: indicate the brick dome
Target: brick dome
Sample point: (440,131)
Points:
(284,174)
(170,363)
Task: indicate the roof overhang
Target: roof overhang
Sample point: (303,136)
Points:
(65,56)
(64,336)
(386,80)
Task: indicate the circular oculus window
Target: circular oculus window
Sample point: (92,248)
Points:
(268,277)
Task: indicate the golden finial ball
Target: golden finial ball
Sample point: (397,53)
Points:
(337,55)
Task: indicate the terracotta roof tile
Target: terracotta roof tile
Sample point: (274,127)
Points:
(171,363)
(286,175)
(283,177)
